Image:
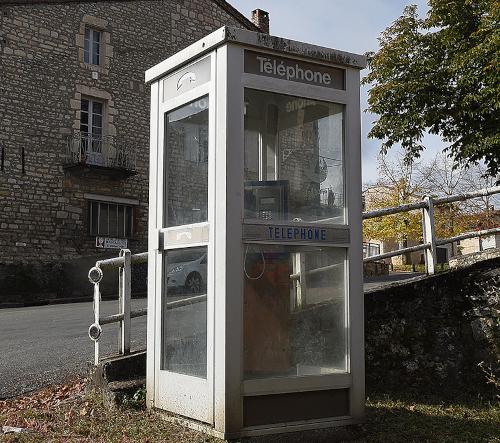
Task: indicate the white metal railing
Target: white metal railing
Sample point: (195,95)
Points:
(124,263)
(430,241)
(125,260)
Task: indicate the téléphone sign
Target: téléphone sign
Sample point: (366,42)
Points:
(111,243)
(295,234)
(294,70)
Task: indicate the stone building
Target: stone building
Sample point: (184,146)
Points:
(74,126)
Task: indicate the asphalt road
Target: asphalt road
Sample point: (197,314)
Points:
(48,344)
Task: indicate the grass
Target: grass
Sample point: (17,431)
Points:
(393,418)
(67,414)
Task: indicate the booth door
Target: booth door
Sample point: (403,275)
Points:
(185,296)
(185,376)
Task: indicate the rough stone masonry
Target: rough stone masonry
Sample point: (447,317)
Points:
(431,334)
(44,212)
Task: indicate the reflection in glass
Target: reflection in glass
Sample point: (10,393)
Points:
(184,340)
(187,163)
(294,311)
(293,154)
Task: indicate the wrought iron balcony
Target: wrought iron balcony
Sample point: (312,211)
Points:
(101,153)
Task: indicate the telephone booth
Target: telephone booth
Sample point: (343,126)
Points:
(255,296)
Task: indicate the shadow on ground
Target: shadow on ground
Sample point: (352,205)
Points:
(393,418)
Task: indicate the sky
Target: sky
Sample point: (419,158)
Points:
(348,25)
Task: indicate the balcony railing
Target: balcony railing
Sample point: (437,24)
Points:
(100,151)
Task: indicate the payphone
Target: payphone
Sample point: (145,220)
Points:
(255,301)
(266,199)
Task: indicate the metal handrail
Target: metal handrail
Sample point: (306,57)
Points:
(100,150)
(437,201)
(430,240)
(314,271)
(401,251)
(124,264)
(394,210)
(125,261)
(485,192)
(467,235)
(117,262)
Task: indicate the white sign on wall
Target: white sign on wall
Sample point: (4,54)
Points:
(111,243)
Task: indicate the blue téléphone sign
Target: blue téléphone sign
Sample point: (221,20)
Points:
(297,234)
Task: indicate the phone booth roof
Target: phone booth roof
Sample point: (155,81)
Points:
(233,35)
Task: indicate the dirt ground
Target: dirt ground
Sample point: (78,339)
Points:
(67,413)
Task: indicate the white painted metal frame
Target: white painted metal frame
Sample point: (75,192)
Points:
(178,393)
(155,221)
(229,282)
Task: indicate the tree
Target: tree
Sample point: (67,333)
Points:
(440,74)
(443,179)
(399,183)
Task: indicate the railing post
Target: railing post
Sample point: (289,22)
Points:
(124,300)
(97,300)
(429,235)
(95,276)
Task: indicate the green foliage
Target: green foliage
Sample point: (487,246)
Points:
(441,267)
(136,401)
(399,227)
(440,74)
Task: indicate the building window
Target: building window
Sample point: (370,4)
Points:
(92,46)
(91,131)
(110,219)
(370,249)
(91,117)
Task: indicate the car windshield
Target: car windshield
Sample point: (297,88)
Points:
(185,255)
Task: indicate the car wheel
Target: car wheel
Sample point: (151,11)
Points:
(194,283)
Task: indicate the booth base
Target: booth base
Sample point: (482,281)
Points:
(319,430)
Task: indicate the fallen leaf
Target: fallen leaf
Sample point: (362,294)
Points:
(11,430)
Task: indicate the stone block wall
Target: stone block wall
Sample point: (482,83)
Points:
(430,335)
(44,215)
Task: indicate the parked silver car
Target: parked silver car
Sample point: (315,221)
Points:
(187,270)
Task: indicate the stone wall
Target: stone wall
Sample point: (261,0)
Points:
(43,77)
(461,261)
(430,335)
(44,215)
(372,268)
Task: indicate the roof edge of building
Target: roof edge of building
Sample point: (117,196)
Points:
(237,15)
(231,10)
